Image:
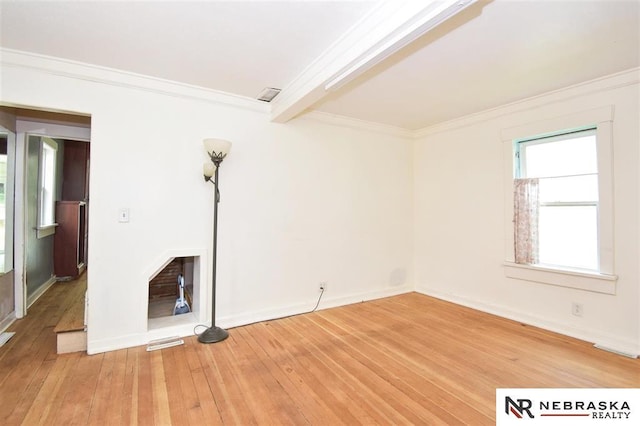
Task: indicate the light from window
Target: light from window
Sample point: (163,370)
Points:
(47,183)
(3,203)
(566,167)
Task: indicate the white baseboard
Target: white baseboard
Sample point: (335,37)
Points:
(7,321)
(40,291)
(138,339)
(184,329)
(329,302)
(617,344)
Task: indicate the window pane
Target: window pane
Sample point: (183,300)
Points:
(561,158)
(568,189)
(568,236)
(47,182)
(3,206)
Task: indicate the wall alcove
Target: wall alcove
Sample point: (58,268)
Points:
(163,292)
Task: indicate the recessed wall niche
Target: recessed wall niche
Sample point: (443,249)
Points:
(164,306)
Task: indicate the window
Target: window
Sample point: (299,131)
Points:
(565,167)
(47,187)
(7,142)
(561,169)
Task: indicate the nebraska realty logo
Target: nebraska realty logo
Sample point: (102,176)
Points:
(567,406)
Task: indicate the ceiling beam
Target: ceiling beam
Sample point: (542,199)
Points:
(387,28)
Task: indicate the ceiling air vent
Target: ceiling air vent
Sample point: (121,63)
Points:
(268,94)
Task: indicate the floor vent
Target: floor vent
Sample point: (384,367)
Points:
(168,342)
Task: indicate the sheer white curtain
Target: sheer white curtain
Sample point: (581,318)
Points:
(525,220)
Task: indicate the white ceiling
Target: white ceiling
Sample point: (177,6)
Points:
(239,47)
(492,53)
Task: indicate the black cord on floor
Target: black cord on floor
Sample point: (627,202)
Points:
(286,316)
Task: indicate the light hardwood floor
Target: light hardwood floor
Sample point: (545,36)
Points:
(409,359)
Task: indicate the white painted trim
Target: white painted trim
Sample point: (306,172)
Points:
(618,344)
(354,123)
(543,128)
(606,191)
(596,282)
(185,329)
(622,79)
(9,202)
(601,117)
(627,354)
(45,228)
(46,231)
(19,227)
(53,130)
(114,77)
(271,314)
(606,83)
(420,22)
(385,29)
(7,321)
(40,291)
(138,339)
(103,75)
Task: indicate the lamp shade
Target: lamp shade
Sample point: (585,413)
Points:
(209,169)
(219,146)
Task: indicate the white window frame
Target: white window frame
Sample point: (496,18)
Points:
(520,149)
(7,244)
(46,209)
(603,280)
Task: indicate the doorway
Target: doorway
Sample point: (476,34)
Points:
(51,168)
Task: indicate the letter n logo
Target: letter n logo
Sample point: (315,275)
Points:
(518,408)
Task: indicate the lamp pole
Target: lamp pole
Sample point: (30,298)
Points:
(214,334)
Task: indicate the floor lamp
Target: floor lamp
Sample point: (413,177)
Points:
(217,150)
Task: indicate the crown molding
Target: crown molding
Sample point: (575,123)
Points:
(600,84)
(609,82)
(357,124)
(113,77)
(386,28)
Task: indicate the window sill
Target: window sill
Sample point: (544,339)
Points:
(45,231)
(589,281)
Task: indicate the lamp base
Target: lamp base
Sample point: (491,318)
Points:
(213,335)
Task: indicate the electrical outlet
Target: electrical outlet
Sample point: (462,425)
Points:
(322,286)
(123,215)
(576,309)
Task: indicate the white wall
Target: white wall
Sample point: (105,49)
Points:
(307,201)
(302,202)
(460,218)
